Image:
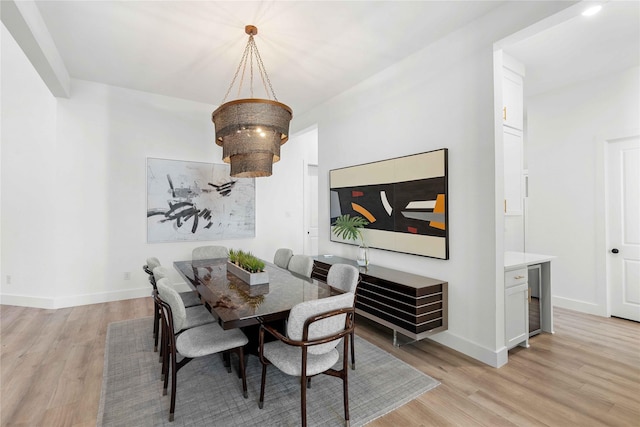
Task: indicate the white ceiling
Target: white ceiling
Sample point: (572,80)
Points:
(581,48)
(312,50)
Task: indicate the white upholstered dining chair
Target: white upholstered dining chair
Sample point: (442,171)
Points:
(282,257)
(345,278)
(193,316)
(209,252)
(314,330)
(189,298)
(190,343)
(301,264)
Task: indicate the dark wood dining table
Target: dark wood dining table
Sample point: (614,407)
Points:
(237,304)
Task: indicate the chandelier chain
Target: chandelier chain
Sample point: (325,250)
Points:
(263,73)
(243,60)
(244,67)
(250,50)
(244,70)
(253,47)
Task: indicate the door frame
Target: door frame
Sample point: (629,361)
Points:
(307,206)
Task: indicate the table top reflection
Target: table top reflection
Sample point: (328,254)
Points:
(236,304)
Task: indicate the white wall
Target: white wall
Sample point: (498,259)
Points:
(104,136)
(74,187)
(28,189)
(279,198)
(441,97)
(565,155)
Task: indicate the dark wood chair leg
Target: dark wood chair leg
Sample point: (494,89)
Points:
(156,326)
(345,384)
(246,357)
(262,384)
(165,372)
(155,322)
(345,381)
(163,353)
(243,372)
(174,380)
(163,343)
(227,360)
(353,352)
(303,399)
(303,388)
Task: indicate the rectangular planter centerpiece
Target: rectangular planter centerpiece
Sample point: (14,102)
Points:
(245,276)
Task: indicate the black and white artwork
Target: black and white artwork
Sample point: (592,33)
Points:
(193,201)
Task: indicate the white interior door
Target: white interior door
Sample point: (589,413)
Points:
(311,211)
(623,186)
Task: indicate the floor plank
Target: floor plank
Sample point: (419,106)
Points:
(586,374)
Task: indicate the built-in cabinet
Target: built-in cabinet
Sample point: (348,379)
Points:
(513,95)
(516,303)
(528,305)
(513,141)
(513,165)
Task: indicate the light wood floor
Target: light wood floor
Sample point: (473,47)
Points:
(587,374)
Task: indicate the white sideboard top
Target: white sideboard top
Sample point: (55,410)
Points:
(514,260)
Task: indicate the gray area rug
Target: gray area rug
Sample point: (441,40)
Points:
(209,396)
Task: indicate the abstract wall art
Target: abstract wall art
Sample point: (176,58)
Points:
(193,201)
(405,201)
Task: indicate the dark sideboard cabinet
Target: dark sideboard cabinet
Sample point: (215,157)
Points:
(413,305)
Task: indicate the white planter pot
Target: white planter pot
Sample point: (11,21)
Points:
(245,276)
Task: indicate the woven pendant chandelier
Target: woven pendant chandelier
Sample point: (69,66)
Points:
(251,130)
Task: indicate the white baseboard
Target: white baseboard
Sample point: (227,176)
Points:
(74,300)
(27,301)
(581,306)
(471,349)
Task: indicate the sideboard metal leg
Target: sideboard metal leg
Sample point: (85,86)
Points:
(397,343)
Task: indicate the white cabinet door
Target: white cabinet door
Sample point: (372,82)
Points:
(516,303)
(513,99)
(513,165)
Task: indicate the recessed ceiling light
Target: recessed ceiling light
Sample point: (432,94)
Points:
(592,10)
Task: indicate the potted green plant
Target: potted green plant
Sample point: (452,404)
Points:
(350,228)
(247,267)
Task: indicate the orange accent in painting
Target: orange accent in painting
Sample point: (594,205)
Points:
(438,208)
(362,211)
(355,193)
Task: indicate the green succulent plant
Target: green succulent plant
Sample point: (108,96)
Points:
(246,261)
(349,227)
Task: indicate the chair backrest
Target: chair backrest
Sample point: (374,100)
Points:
(152,263)
(344,277)
(208,252)
(161,273)
(167,316)
(171,297)
(282,257)
(301,264)
(322,328)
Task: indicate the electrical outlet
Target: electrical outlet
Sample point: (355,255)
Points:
(8,279)
(127,275)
